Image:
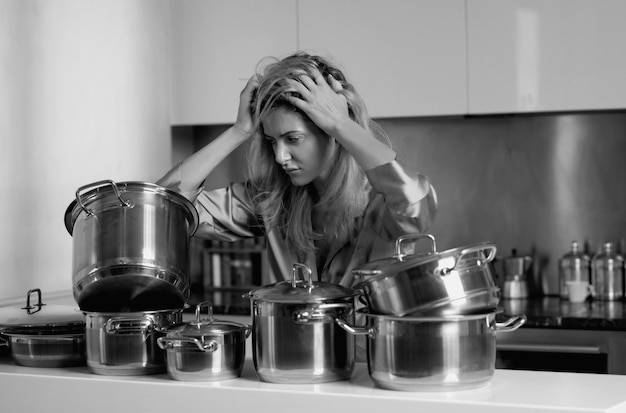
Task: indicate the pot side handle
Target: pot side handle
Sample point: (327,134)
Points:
(95,185)
(171,342)
(511,324)
(356,330)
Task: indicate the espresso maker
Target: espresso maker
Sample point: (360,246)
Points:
(515,269)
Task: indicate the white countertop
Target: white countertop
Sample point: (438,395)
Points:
(77,390)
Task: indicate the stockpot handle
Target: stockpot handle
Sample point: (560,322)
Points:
(322,312)
(511,324)
(305,268)
(171,342)
(95,185)
(465,251)
(356,330)
(129,325)
(412,237)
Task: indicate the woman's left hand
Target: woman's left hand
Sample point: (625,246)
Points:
(322,100)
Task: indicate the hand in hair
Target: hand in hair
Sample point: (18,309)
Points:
(244,116)
(321,100)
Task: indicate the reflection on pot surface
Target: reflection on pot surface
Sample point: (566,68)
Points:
(126,343)
(431,353)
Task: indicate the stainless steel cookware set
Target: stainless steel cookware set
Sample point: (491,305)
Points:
(429,319)
(130,271)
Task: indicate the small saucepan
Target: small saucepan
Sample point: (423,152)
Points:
(41,335)
(456,281)
(205,349)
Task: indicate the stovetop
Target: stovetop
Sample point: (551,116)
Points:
(554,312)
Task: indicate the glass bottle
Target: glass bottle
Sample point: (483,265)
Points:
(607,274)
(573,266)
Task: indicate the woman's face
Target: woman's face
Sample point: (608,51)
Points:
(302,149)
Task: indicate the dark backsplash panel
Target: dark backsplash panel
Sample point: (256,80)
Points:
(530,182)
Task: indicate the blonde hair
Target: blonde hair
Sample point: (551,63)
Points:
(288,208)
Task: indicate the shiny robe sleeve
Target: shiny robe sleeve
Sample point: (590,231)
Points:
(225,214)
(410,198)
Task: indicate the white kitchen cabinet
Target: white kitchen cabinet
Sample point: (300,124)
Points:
(216,45)
(538,56)
(406,57)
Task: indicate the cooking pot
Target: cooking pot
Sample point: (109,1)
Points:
(41,335)
(455,281)
(294,335)
(431,353)
(130,246)
(125,344)
(205,349)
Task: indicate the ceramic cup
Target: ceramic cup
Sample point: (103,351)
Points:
(579,291)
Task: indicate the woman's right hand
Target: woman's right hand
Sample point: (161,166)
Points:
(244,115)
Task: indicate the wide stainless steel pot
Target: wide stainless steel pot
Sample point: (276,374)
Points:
(205,349)
(130,246)
(294,335)
(42,335)
(431,353)
(125,344)
(455,281)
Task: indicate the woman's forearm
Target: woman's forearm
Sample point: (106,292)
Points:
(194,170)
(368,151)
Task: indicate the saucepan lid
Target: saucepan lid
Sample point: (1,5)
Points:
(301,290)
(38,318)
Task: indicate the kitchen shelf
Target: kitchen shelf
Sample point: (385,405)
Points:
(226,271)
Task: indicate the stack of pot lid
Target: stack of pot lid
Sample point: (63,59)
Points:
(456,281)
(37,318)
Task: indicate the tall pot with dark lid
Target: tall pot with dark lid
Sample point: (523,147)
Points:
(43,335)
(454,281)
(130,246)
(295,337)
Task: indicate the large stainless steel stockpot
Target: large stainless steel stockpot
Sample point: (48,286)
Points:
(125,344)
(436,353)
(130,246)
(455,281)
(42,335)
(205,349)
(294,335)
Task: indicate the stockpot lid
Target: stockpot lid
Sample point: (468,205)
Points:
(116,192)
(41,319)
(205,327)
(445,261)
(301,290)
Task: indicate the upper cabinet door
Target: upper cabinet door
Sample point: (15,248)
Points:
(405,57)
(216,45)
(537,55)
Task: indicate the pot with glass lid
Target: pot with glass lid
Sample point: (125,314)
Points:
(295,337)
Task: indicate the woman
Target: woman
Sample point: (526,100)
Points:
(323,185)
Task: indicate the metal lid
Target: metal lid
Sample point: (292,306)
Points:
(446,261)
(301,291)
(41,319)
(205,327)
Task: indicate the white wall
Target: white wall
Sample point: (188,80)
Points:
(84,95)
